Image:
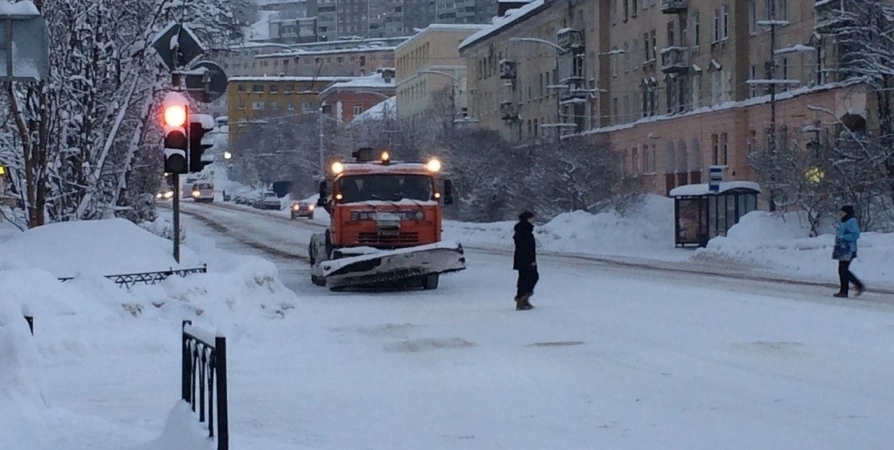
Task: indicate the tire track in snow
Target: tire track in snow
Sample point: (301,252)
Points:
(588,260)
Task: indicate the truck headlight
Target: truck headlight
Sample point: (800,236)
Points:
(169,194)
(196,194)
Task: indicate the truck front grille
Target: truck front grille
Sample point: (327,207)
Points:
(402,238)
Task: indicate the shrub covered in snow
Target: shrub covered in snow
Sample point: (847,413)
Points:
(99,247)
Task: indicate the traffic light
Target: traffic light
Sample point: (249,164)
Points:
(199,126)
(176,141)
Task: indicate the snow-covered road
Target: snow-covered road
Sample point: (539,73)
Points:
(613,357)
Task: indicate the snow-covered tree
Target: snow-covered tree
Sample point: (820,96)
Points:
(74,136)
(862,33)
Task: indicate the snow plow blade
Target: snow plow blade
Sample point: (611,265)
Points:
(394,266)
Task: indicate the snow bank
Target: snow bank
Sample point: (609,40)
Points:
(23,406)
(648,229)
(220,298)
(98,247)
(182,432)
(780,244)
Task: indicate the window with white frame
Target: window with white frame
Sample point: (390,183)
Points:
(752,16)
(358,109)
(696,29)
(725,22)
(257,106)
(724,149)
(717,32)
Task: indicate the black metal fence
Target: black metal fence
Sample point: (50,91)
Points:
(206,363)
(30,320)
(148,278)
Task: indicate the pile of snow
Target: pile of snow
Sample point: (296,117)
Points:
(780,244)
(163,227)
(22,402)
(100,247)
(182,432)
(646,230)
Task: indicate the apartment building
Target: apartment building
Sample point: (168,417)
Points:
(341,19)
(237,61)
(428,63)
(272,98)
(529,73)
(674,86)
(337,58)
(344,100)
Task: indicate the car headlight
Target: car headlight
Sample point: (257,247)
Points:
(311,207)
(296,207)
(169,194)
(158,195)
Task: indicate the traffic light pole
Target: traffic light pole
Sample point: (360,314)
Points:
(177,217)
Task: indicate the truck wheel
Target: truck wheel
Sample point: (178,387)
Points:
(430,282)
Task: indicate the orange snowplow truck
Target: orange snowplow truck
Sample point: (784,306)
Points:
(385,226)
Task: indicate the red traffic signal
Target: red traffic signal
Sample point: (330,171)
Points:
(175,116)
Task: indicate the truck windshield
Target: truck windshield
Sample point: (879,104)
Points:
(389,188)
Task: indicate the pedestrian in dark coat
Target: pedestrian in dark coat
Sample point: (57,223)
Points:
(845,251)
(525,260)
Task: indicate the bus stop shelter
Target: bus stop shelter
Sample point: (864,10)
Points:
(701,214)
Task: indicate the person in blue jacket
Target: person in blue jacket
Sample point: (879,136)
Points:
(845,251)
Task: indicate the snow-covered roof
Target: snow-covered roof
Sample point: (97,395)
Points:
(372,82)
(23,8)
(443,27)
(512,16)
(260,30)
(326,52)
(378,111)
(704,189)
(263,78)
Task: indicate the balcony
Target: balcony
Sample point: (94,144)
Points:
(576,91)
(569,38)
(674,6)
(509,111)
(508,70)
(675,60)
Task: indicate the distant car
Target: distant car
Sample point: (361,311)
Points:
(270,201)
(303,209)
(166,194)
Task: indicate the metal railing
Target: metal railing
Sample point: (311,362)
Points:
(206,363)
(148,278)
(30,320)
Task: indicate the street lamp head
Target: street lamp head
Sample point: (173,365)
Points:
(228,155)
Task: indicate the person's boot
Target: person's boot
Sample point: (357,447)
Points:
(840,294)
(522,303)
(859,291)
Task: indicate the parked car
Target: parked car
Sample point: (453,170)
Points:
(304,209)
(270,201)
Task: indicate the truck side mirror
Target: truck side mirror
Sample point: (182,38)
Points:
(323,194)
(448,192)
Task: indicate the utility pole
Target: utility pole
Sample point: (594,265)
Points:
(322,157)
(771,74)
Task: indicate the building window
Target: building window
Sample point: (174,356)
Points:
(782,9)
(632,8)
(241,88)
(626,57)
(626,9)
(257,106)
(291,106)
(716,25)
(752,89)
(241,103)
(724,149)
(358,109)
(257,88)
(752,16)
(274,89)
(696,29)
(306,106)
(785,87)
(274,106)
(646,160)
(725,22)
(646,47)
(654,35)
(715,149)
(634,162)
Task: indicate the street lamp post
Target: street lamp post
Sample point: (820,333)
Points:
(559,52)
(454,89)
